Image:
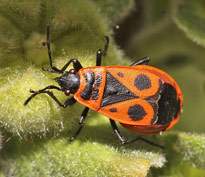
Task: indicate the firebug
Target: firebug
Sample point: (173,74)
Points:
(142,98)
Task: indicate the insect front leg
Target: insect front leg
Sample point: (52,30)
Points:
(38,92)
(68,102)
(47,43)
(75,62)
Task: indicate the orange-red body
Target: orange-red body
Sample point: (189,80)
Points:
(148,100)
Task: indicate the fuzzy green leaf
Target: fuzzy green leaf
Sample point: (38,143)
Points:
(191,147)
(71,31)
(185,155)
(87,156)
(77,30)
(92,156)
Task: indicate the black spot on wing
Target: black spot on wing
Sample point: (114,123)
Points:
(113,110)
(115,91)
(120,74)
(142,82)
(156,95)
(136,112)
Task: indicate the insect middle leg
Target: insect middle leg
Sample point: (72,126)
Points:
(81,123)
(123,141)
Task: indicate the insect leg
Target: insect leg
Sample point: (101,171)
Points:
(122,140)
(68,102)
(83,115)
(143,61)
(47,43)
(38,92)
(146,141)
(101,52)
(117,132)
(81,121)
(76,64)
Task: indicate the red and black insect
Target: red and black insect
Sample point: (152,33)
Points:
(141,98)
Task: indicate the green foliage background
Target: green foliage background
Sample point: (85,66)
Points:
(34,139)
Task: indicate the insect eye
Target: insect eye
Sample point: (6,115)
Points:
(72,71)
(67,92)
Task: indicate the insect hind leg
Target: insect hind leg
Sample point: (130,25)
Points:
(145,140)
(123,141)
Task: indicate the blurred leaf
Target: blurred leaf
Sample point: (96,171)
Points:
(1,174)
(190,18)
(155,10)
(114,11)
(146,19)
(163,45)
